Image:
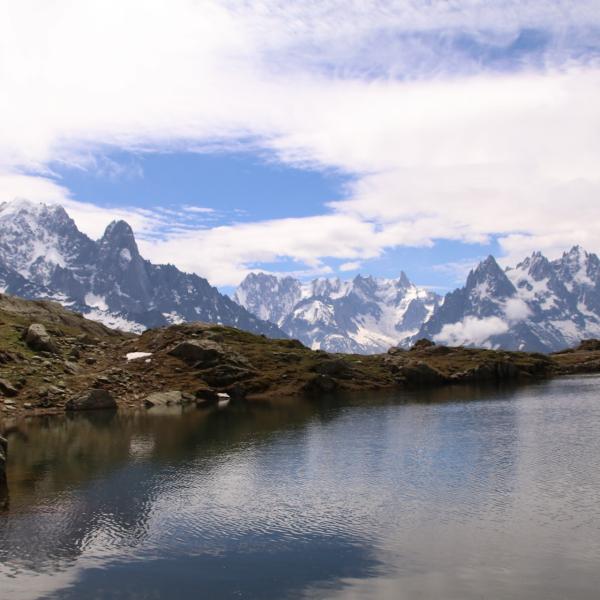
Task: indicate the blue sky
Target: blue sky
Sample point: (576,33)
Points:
(248,187)
(319,139)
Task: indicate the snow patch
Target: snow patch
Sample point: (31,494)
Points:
(173,318)
(135,355)
(114,321)
(124,258)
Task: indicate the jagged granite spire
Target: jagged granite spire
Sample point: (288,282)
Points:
(364,315)
(44,255)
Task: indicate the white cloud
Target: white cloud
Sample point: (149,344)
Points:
(441,147)
(350,266)
(223,254)
(471,331)
(516,309)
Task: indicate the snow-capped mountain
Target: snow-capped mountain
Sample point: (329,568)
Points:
(364,315)
(539,305)
(44,255)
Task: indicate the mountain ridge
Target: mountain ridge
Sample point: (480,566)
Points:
(538,306)
(363,315)
(44,255)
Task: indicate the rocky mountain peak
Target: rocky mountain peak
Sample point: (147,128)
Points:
(365,314)
(536,265)
(403,281)
(578,268)
(488,278)
(44,255)
(119,235)
(118,247)
(540,305)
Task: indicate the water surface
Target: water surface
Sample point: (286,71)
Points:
(452,494)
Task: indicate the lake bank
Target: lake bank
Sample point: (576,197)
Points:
(82,364)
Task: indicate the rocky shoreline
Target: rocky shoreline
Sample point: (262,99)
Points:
(53,360)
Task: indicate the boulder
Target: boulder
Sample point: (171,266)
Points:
(38,339)
(591,345)
(489,371)
(163,398)
(420,373)
(7,389)
(226,374)
(205,396)
(199,353)
(395,350)
(9,357)
(70,368)
(94,399)
(422,344)
(320,384)
(337,367)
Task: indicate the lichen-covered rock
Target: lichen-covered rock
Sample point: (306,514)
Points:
(38,339)
(94,399)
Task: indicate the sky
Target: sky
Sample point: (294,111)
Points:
(317,138)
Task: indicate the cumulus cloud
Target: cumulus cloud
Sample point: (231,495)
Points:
(225,252)
(471,330)
(516,309)
(444,141)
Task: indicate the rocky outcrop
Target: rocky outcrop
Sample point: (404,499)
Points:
(199,353)
(419,373)
(163,398)
(95,399)
(38,339)
(422,344)
(195,362)
(320,384)
(334,367)
(493,371)
(584,346)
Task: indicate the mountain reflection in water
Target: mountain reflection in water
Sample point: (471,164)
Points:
(431,495)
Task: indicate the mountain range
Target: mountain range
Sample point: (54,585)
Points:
(539,305)
(364,315)
(44,255)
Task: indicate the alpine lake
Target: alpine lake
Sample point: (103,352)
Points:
(455,493)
